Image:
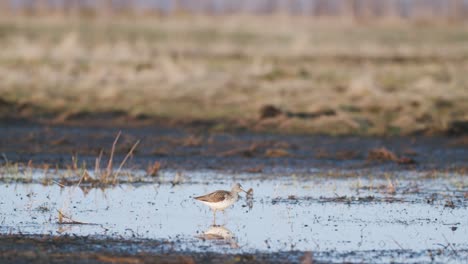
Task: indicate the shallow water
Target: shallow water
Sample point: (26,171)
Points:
(287,213)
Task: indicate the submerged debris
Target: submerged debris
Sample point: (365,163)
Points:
(338,199)
(249,199)
(431,198)
(449,204)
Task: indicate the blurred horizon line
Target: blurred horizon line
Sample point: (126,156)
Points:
(400,9)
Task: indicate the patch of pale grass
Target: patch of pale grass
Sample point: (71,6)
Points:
(377,78)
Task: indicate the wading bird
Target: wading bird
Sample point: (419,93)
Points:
(220,200)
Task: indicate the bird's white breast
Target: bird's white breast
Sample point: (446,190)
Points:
(221,205)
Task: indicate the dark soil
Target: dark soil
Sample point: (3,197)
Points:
(193,146)
(71,249)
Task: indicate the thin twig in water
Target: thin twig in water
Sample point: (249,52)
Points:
(398,244)
(70,221)
(450,245)
(62,216)
(59,184)
(125,160)
(81,179)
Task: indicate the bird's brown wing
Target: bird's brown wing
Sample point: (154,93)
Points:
(214,197)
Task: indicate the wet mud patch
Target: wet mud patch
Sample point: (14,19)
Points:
(191,149)
(24,249)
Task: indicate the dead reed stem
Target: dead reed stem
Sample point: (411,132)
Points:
(97,166)
(70,221)
(109,164)
(125,160)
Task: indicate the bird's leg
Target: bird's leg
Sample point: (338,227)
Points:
(214,217)
(224,216)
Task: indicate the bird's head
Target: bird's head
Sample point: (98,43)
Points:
(237,188)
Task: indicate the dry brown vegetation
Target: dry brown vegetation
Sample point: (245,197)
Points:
(358,9)
(323,76)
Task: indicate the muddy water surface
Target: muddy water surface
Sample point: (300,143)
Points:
(304,213)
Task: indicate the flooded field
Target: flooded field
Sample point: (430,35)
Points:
(351,137)
(93,194)
(405,216)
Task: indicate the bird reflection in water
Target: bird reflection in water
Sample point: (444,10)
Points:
(220,235)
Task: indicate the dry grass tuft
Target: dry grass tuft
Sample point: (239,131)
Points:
(192,141)
(249,151)
(154,169)
(391,186)
(269,111)
(107,175)
(381,154)
(276,153)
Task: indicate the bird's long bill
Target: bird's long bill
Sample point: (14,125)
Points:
(243,190)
